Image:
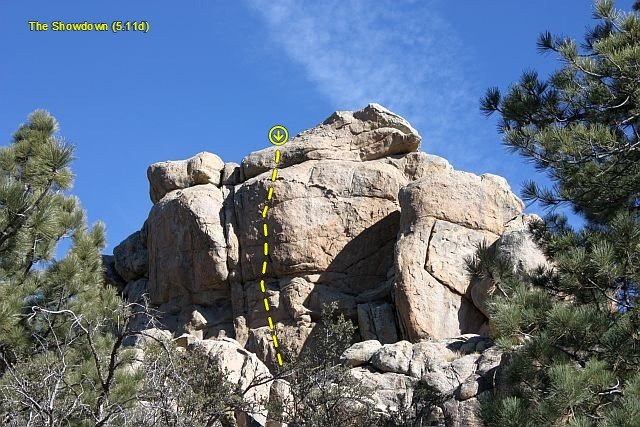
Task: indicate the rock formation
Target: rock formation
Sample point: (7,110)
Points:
(359,216)
(458,369)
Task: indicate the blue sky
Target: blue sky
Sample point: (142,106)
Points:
(216,75)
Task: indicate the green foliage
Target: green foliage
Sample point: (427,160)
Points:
(579,126)
(324,392)
(34,216)
(61,329)
(510,411)
(574,329)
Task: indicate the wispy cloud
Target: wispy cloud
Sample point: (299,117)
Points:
(400,53)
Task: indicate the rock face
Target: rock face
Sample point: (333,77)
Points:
(445,215)
(186,244)
(359,216)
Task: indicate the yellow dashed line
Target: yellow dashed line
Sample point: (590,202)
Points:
(265,232)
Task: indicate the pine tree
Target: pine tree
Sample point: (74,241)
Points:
(60,330)
(34,216)
(575,329)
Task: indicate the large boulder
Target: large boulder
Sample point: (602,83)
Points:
(483,202)
(445,215)
(360,353)
(164,177)
(393,357)
(187,247)
(427,307)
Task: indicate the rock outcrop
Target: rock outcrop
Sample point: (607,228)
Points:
(445,216)
(358,216)
(459,369)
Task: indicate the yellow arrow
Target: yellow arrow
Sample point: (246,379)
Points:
(278,135)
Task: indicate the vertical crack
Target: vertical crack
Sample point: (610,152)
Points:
(426,259)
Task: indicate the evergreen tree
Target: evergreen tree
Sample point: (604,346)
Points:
(35,215)
(575,329)
(60,334)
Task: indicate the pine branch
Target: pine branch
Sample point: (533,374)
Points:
(12,229)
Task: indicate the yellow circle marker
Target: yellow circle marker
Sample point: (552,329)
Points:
(278,135)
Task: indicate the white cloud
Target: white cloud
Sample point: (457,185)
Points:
(404,55)
(399,53)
